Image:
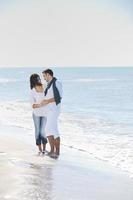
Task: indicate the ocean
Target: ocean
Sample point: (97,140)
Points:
(97,109)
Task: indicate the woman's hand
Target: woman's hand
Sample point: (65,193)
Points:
(36,105)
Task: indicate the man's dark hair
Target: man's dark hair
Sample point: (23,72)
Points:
(48,71)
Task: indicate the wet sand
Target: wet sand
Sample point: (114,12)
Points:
(26,176)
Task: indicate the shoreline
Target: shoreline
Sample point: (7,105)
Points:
(73,176)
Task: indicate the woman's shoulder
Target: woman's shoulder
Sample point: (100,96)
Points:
(32,91)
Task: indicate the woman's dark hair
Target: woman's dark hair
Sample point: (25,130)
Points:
(35,81)
(48,71)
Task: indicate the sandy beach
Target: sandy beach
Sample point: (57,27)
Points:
(72,63)
(74,176)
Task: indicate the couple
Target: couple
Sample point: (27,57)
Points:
(46,104)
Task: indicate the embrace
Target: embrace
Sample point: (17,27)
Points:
(46,104)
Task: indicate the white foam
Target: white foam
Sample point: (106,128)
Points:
(16,113)
(100,139)
(5,80)
(90,80)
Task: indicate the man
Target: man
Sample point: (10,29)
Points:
(53,91)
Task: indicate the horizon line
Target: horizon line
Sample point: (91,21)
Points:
(50,66)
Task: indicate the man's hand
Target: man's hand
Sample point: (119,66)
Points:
(45,102)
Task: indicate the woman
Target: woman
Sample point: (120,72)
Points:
(39,111)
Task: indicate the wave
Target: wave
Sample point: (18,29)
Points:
(6,80)
(90,80)
(98,138)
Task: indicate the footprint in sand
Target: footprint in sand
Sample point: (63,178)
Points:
(22,163)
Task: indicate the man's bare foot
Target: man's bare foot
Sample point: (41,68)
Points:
(50,153)
(53,155)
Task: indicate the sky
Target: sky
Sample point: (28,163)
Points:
(66,33)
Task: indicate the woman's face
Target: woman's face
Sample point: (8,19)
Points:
(39,88)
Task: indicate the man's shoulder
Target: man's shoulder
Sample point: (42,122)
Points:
(58,82)
(59,87)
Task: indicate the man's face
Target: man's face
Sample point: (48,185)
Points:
(46,77)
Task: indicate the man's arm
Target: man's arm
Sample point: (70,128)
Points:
(47,101)
(59,87)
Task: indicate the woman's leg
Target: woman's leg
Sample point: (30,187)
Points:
(36,120)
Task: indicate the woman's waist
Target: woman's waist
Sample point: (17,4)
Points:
(41,110)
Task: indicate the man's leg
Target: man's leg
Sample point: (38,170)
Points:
(57,146)
(49,132)
(42,132)
(51,142)
(52,127)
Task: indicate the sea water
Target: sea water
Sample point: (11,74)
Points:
(97,109)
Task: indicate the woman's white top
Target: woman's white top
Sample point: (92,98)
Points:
(36,98)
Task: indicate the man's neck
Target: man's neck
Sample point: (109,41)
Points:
(50,79)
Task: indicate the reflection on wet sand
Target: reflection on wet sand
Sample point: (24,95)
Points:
(37,185)
(27,181)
